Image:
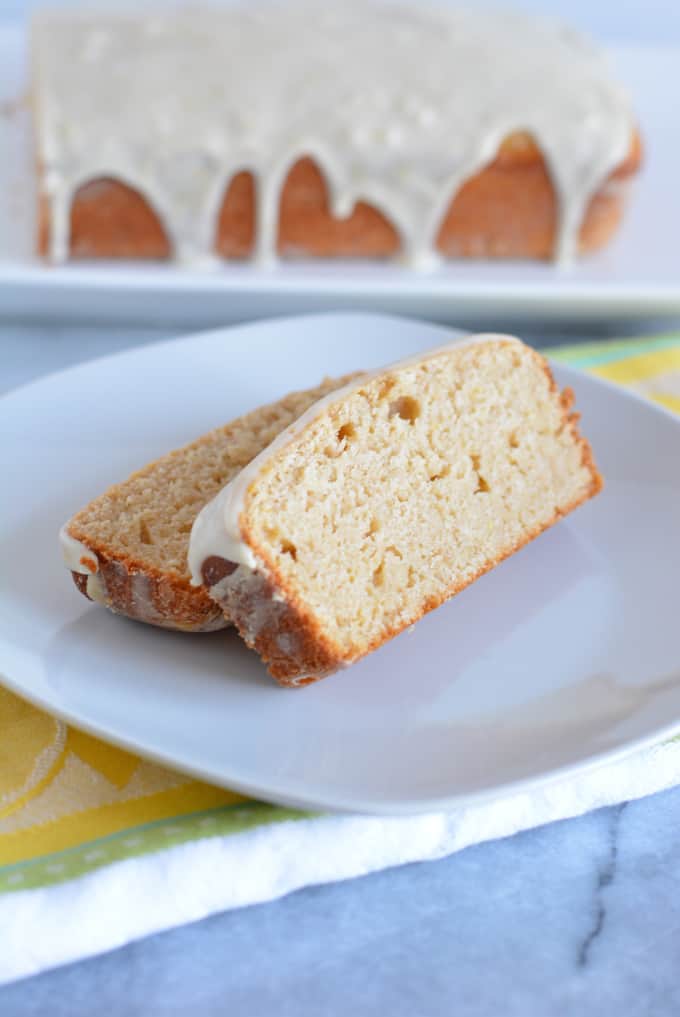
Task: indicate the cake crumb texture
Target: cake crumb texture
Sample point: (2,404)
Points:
(400,495)
(139,529)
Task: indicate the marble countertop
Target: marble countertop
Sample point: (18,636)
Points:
(579,917)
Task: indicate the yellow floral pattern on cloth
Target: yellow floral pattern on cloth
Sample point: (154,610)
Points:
(70,803)
(60,786)
(31,752)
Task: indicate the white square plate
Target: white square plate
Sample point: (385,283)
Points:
(565,655)
(637,275)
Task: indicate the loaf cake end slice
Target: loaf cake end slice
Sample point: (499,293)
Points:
(127,549)
(386,498)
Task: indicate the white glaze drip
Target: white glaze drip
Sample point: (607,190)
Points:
(217,528)
(79,558)
(398,105)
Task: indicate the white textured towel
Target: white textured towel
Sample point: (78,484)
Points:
(50,925)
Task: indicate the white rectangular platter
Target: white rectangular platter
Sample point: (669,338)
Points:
(637,276)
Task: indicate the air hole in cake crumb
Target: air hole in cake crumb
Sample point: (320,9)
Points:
(144,533)
(288,548)
(443,472)
(347,432)
(482,485)
(379,575)
(373,528)
(513,440)
(406,407)
(386,387)
(518,466)
(395,551)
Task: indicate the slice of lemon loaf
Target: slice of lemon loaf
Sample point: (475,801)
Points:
(386,498)
(128,548)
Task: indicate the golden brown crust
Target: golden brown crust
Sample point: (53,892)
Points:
(109,220)
(508,209)
(289,638)
(267,618)
(147,594)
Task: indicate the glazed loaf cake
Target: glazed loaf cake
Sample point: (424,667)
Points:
(361,129)
(128,548)
(386,498)
(507,210)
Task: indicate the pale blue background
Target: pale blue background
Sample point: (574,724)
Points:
(581,917)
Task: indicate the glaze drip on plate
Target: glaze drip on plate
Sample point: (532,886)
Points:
(398,106)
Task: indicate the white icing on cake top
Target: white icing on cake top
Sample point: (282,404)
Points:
(397,104)
(217,527)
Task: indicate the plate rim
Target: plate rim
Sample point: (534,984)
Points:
(338,803)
